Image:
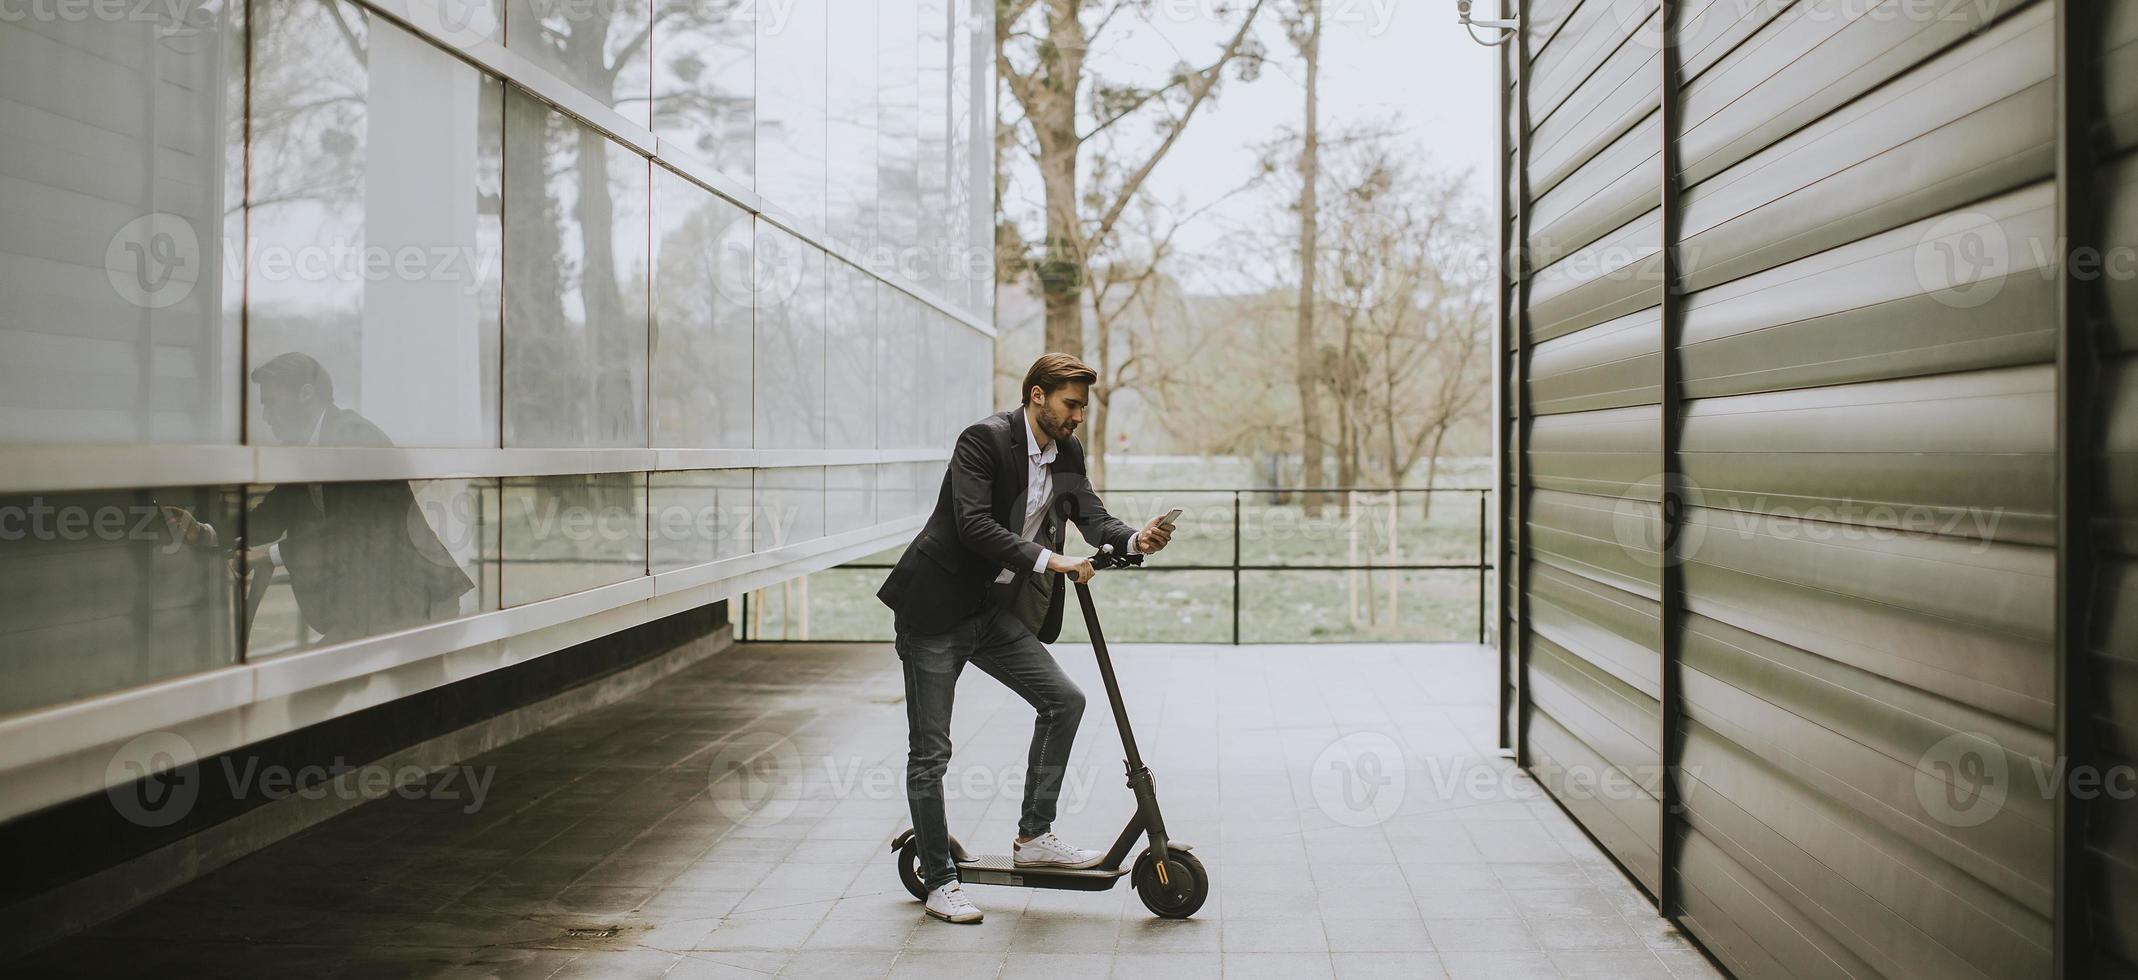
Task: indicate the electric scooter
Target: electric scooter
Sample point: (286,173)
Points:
(1167,875)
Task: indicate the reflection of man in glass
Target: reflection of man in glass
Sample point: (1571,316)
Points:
(362,559)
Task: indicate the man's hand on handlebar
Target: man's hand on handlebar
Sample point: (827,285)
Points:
(1079,570)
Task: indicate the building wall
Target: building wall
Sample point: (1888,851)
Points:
(1784,354)
(625,307)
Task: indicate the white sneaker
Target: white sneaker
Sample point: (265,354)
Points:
(949,904)
(1049,851)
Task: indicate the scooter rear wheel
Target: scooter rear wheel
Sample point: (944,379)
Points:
(909,869)
(1186,886)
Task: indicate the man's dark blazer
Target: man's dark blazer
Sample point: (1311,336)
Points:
(976,529)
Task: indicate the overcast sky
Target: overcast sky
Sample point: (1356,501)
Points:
(1405,61)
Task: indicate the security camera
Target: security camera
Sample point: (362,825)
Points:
(1507,27)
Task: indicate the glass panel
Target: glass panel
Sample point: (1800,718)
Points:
(120,182)
(850,358)
(332,562)
(904,490)
(790,506)
(898,215)
(699,516)
(461,21)
(565,534)
(1384,605)
(849,498)
(954,285)
(898,356)
(575,283)
(933,146)
(790,341)
(99,592)
(791,110)
(375,242)
(704,81)
(599,47)
(851,126)
(702,322)
(979,259)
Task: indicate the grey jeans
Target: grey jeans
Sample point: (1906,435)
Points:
(1008,652)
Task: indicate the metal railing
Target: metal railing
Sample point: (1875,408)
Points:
(1351,508)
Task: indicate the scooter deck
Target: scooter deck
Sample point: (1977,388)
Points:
(999,869)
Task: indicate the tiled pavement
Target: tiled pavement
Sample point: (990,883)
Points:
(733,820)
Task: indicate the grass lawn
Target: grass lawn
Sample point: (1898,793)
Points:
(1161,603)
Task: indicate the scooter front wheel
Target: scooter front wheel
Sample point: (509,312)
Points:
(1184,889)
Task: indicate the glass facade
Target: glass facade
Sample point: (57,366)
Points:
(435,332)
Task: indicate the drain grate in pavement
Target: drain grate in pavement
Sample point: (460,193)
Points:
(592,932)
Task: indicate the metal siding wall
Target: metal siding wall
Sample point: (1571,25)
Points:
(1867,555)
(2109,828)
(1592,579)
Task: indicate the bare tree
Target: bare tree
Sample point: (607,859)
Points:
(1041,46)
(1303,26)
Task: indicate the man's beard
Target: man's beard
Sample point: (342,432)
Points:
(1051,424)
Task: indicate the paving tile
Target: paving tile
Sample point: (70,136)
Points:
(1300,934)
(1386,966)
(1481,935)
(1172,966)
(604,821)
(1498,966)
(1278,966)
(816,964)
(1376,935)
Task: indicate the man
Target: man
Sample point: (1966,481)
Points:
(982,583)
(362,559)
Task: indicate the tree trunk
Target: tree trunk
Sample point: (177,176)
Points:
(1101,397)
(1053,116)
(1311,449)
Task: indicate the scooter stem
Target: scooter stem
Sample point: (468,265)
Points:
(1106,672)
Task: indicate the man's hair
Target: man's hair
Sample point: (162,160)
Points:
(294,370)
(1054,370)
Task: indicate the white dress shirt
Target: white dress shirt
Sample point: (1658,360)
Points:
(1038,486)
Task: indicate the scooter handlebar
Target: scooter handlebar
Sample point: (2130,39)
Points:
(1106,559)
